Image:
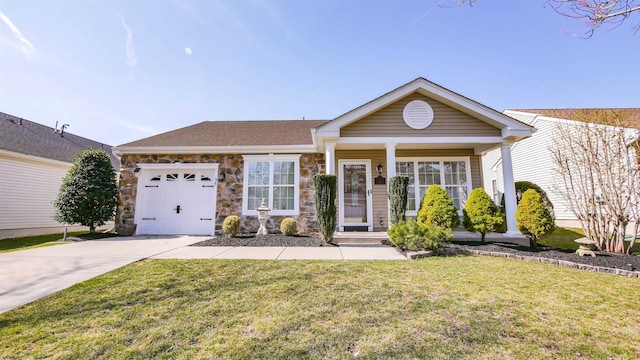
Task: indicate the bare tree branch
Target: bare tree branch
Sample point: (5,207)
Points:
(590,13)
(599,172)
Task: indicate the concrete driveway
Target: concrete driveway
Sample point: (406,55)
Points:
(28,275)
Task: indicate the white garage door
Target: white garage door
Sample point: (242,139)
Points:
(176,201)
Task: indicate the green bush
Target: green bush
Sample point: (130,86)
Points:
(437,209)
(533,217)
(325,197)
(398,198)
(415,236)
(481,214)
(88,194)
(522,187)
(231,225)
(289,226)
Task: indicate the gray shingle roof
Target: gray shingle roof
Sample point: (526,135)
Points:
(30,138)
(235,133)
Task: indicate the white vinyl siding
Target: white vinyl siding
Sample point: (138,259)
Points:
(532,161)
(27,189)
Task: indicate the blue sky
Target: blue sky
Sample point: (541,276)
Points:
(118,71)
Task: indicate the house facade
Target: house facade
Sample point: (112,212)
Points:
(188,180)
(532,159)
(34,159)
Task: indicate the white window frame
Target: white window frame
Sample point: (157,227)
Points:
(442,184)
(271,158)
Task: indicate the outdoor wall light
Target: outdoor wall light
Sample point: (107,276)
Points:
(222,176)
(379,168)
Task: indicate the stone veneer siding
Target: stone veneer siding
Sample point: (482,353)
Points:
(229,191)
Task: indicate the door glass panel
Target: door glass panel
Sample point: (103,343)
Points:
(355,193)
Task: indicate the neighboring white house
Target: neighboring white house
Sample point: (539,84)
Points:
(33,161)
(532,160)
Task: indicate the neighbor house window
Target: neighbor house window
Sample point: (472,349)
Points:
(273,178)
(452,174)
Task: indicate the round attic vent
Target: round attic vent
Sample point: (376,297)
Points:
(417,114)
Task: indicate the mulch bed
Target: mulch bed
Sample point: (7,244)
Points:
(265,240)
(603,259)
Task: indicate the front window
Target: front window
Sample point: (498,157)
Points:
(452,174)
(273,178)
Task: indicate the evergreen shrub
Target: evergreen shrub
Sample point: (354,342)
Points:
(289,226)
(88,194)
(231,225)
(481,214)
(533,218)
(325,198)
(437,209)
(415,236)
(398,198)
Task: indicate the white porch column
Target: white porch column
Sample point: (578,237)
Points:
(330,158)
(391,160)
(509,191)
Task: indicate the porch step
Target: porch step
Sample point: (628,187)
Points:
(357,237)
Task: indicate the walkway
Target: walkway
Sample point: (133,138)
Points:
(342,252)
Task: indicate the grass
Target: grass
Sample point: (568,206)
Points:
(444,307)
(15,244)
(563,238)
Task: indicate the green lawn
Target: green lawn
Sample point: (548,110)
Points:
(15,244)
(443,307)
(563,238)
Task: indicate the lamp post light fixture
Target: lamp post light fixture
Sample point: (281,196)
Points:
(263,216)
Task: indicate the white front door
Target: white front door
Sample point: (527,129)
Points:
(176,201)
(354,192)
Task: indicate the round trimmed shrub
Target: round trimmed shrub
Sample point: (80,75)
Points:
(231,225)
(533,217)
(289,226)
(481,214)
(522,187)
(437,209)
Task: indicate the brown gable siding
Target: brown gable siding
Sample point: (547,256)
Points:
(447,121)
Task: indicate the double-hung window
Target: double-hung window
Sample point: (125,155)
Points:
(273,178)
(452,174)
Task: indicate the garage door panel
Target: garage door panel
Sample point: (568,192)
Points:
(195,193)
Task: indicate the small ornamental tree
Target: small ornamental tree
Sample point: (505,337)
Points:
(88,192)
(481,214)
(325,197)
(437,209)
(398,198)
(533,217)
